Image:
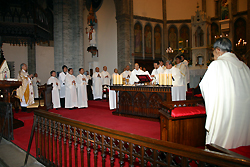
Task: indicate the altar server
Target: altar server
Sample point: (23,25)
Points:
(136,71)
(36,82)
(105,77)
(97,84)
(25,91)
(112,94)
(81,84)
(70,90)
(126,73)
(182,69)
(55,91)
(225,89)
(61,78)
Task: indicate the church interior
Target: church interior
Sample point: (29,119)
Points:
(46,35)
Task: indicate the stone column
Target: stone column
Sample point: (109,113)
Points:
(125,33)
(165,31)
(31,59)
(248,33)
(68,33)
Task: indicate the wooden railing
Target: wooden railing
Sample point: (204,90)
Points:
(61,141)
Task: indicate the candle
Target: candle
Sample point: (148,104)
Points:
(169,79)
(114,79)
(160,79)
(165,79)
(117,79)
(120,82)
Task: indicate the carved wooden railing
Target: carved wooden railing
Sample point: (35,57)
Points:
(61,141)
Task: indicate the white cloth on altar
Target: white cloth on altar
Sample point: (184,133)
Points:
(82,98)
(133,77)
(97,85)
(112,99)
(126,74)
(225,89)
(61,78)
(178,93)
(55,91)
(105,81)
(36,81)
(70,92)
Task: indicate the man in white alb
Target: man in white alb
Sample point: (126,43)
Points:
(106,77)
(97,84)
(154,74)
(36,82)
(185,62)
(225,89)
(70,90)
(61,78)
(55,91)
(182,68)
(81,84)
(161,67)
(112,94)
(127,73)
(133,77)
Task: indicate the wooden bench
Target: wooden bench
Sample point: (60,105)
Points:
(183,122)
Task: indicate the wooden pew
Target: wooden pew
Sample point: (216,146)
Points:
(187,129)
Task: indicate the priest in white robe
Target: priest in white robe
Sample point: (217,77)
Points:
(105,77)
(70,90)
(112,94)
(185,62)
(25,92)
(182,68)
(126,73)
(55,91)
(225,89)
(154,74)
(61,78)
(81,84)
(36,82)
(97,84)
(133,77)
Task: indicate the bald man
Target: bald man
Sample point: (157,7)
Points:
(97,84)
(136,71)
(105,76)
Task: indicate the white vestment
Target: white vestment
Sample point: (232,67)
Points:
(97,85)
(82,91)
(70,92)
(36,81)
(105,81)
(225,89)
(185,62)
(61,78)
(133,77)
(156,76)
(112,95)
(183,70)
(126,74)
(160,70)
(55,91)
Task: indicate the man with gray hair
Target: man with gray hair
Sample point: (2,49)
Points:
(225,89)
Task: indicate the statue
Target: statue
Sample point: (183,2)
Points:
(91,36)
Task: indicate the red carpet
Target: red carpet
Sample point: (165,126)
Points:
(97,113)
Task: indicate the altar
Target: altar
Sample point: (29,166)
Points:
(144,101)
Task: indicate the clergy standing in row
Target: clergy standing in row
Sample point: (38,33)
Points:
(225,89)
(97,84)
(133,77)
(55,91)
(182,69)
(36,81)
(25,91)
(62,77)
(126,73)
(154,74)
(105,76)
(70,90)
(81,84)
